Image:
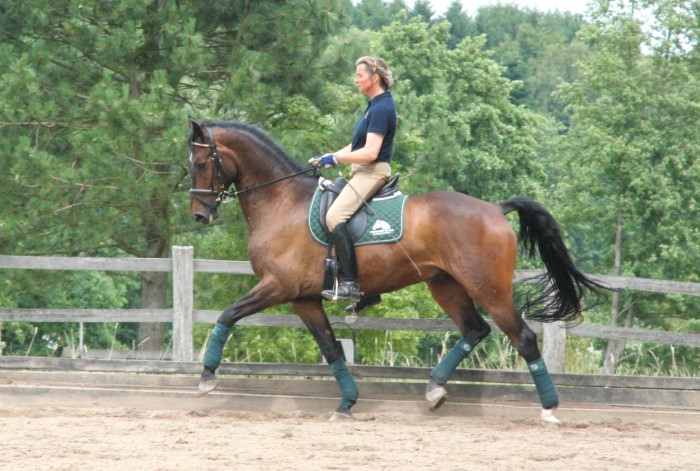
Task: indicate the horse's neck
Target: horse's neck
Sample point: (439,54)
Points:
(279,205)
(266,202)
(258,168)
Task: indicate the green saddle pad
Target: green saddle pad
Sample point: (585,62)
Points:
(385,225)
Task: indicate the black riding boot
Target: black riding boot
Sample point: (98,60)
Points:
(349,288)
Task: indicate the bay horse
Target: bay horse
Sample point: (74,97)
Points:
(463,248)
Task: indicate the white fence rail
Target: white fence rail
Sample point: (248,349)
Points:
(183,265)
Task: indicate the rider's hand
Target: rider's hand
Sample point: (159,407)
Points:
(328,160)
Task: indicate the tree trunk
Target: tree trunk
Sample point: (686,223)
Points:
(154,287)
(615,347)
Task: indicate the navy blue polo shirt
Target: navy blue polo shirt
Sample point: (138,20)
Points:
(379,118)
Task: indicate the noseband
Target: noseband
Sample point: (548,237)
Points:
(219,187)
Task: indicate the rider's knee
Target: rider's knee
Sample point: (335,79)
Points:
(333,219)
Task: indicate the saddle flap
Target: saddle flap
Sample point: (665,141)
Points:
(358,223)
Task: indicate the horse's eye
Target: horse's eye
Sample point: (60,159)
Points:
(201,166)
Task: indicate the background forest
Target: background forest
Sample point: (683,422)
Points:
(593,115)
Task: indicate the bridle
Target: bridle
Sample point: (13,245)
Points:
(219,187)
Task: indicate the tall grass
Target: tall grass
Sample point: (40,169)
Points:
(583,356)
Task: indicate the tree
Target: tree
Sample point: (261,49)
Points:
(461,25)
(538,49)
(457,126)
(424,10)
(375,14)
(94,100)
(632,153)
(501,23)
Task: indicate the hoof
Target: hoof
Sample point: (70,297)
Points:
(435,395)
(548,419)
(207,382)
(341,416)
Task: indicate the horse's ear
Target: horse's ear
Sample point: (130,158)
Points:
(197,133)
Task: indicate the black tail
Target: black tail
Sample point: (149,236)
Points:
(562,287)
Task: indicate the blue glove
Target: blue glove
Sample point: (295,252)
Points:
(328,160)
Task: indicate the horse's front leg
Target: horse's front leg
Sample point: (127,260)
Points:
(314,317)
(259,298)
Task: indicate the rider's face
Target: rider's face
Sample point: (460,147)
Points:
(365,80)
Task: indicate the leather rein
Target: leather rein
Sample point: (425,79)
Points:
(219,188)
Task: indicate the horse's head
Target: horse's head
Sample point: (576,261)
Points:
(210,180)
(231,153)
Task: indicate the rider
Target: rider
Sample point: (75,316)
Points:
(370,155)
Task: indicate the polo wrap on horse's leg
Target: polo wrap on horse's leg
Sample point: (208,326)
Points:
(348,388)
(442,372)
(549,397)
(215,349)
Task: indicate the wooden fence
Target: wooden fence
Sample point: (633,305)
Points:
(183,265)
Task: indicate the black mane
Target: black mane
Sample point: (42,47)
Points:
(262,138)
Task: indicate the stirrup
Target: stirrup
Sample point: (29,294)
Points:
(345,290)
(364,303)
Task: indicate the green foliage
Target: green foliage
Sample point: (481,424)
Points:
(94,96)
(93,104)
(65,290)
(458,127)
(375,14)
(423,10)
(397,348)
(630,166)
(461,25)
(538,49)
(632,150)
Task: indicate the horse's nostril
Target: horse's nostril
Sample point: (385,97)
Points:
(198,217)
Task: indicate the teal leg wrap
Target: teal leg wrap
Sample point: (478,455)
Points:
(348,388)
(212,357)
(549,397)
(442,372)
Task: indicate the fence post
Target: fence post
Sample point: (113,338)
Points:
(183,302)
(554,345)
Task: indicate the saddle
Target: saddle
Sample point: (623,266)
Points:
(358,222)
(387,196)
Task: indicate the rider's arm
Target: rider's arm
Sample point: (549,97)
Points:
(345,150)
(365,154)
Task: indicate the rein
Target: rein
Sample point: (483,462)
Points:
(235,194)
(220,176)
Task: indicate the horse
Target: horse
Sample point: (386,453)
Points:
(462,247)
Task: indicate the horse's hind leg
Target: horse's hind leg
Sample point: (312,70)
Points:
(457,303)
(315,319)
(524,340)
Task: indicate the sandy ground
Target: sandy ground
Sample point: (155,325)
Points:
(42,437)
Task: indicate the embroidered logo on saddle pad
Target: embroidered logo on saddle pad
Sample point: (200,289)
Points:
(383,224)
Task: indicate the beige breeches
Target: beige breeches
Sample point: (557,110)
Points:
(364,182)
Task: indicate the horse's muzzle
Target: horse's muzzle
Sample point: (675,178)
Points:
(205,215)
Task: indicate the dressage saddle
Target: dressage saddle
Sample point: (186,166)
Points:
(358,222)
